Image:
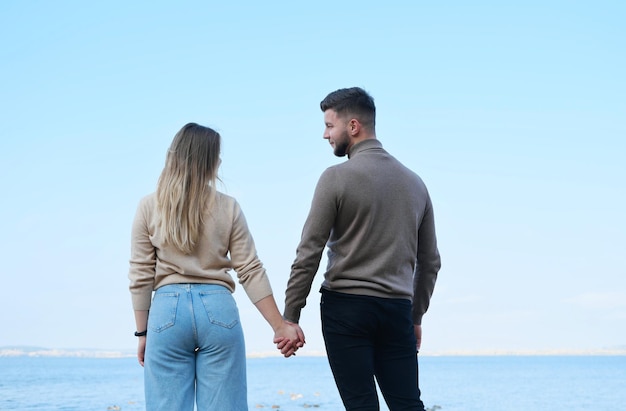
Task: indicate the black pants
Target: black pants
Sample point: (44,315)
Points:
(367,338)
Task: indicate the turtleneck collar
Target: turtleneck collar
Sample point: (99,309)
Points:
(364,145)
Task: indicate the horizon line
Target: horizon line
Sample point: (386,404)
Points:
(25,351)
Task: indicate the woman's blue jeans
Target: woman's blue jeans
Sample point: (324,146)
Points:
(371,338)
(195,350)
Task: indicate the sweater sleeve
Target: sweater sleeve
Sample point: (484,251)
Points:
(315,235)
(246,263)
(142,259)
(428,265)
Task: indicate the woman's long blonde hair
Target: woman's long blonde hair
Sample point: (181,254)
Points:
(186,187)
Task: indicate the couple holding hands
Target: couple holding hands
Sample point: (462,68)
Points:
(374,215)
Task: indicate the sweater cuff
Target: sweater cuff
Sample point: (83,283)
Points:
(292,315)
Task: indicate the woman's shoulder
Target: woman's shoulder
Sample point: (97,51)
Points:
(149,197)
(224,198)
(148,200)
(226,202)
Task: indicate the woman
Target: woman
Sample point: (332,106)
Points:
(186,238)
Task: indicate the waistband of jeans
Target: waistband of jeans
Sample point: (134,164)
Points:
(192,287)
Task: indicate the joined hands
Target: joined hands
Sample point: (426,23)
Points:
(288,338)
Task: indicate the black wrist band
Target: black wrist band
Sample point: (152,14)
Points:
(141,334)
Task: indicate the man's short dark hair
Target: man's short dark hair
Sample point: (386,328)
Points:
(354,102)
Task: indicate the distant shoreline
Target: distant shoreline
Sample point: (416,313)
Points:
(38,352)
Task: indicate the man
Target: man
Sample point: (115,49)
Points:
(375,215)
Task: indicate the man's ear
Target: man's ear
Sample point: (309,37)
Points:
(354,127)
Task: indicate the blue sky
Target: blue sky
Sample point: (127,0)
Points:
(514,115)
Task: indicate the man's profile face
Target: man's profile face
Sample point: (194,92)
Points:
(336,132)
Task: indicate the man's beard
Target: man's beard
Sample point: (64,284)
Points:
(341,145)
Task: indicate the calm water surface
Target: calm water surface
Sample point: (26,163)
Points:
(499,383)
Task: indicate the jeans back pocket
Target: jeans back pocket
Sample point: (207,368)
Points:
(221,308)
(163,311)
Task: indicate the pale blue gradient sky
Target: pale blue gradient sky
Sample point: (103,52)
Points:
(514,115)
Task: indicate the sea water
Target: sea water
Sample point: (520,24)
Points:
(449,383)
